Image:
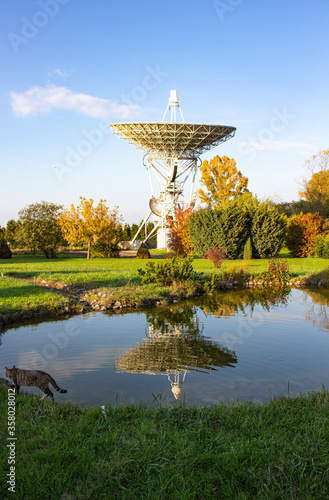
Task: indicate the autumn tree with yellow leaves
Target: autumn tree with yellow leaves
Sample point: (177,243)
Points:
(91,225)
(315,190)
(222,181)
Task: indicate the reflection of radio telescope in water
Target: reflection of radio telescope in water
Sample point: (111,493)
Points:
(172,152)
(176,354)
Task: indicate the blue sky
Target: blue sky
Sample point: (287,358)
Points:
(69,68)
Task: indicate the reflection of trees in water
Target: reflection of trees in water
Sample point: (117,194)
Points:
(166,319)
(318,314)
(225,304)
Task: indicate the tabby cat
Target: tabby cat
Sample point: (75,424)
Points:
(34,378)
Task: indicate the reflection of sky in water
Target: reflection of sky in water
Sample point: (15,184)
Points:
(223,348)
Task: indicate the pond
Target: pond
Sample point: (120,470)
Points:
(250,344)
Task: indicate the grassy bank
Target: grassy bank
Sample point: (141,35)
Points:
(21,299)
(277,450)
(33,286)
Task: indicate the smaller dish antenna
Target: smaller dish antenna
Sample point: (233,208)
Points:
(171,152)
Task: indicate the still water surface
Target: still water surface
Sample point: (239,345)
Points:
(241,345)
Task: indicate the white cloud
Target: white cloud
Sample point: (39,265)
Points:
(59,73)
(37,100)
(276,145)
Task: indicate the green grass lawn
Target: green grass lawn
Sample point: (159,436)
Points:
(19,298)
(117,272)
(244,451)
(72,270)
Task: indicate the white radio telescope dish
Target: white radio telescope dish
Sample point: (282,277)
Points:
(172,152)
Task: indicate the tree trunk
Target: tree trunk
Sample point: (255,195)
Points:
(88,252)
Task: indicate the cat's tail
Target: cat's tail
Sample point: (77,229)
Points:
(53,383)
(60,390)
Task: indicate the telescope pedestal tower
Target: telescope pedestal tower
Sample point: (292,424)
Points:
(172,152)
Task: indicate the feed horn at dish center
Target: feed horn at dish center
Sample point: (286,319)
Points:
(172,156)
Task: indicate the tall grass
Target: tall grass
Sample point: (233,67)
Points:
(278,450)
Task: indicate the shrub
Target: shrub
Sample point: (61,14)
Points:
(321,246)
(267,231)
(216,255)
(106,250)
(143,252)
(167,271)
(243,228)
(234,229)
(212,282)
(226,228)
(202,225)
(186,288)
(302,230)
(236,273)
(175,244)
(247,250)
(278,272)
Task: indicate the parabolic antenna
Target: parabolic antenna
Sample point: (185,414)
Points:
(173,140)
(172,152)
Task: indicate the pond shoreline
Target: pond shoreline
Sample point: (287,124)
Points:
(36,288)
(102,299)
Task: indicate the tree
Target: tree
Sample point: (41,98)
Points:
(89,225)
(126,233)
(5,252)
(133,230)
(11,233)
(291,208)
(315,190)
(222,181)
(149,229)
(179,239)
(37,227)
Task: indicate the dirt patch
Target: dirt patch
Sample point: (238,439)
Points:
(128,253)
